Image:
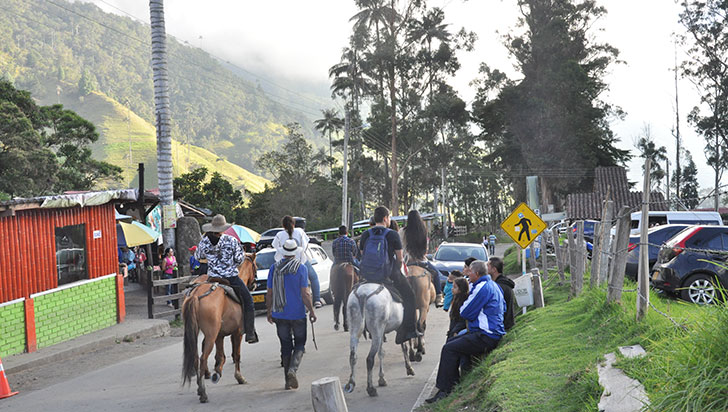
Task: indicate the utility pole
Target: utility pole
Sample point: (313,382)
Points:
(163,118)
(643,280)
(345,183)
(667,183)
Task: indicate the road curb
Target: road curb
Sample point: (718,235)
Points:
(427,389)
(128,331)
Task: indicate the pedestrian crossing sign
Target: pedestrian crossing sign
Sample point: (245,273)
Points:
(523,225)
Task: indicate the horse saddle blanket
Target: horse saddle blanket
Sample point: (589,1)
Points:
(227,289)
(396,296)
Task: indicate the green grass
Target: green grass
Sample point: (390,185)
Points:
(547,362)
(116,132)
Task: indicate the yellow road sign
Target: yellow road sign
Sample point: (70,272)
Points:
(523,225)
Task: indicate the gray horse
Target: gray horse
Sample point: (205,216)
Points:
(371,307)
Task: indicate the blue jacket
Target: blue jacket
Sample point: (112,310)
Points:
(448,296)
(484,308)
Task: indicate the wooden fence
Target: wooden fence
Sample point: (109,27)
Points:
(155,283)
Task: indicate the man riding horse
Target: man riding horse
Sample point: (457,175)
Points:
(382,262)
(224,255)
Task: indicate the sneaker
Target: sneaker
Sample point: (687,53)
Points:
(317,304)
(438,396)
(439,299)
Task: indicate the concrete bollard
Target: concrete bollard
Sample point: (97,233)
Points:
(327,396)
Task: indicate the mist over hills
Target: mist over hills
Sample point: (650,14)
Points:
(49,47)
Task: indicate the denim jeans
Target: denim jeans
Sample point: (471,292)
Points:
(313,280)
(292,334)
(457,354)
(171,289)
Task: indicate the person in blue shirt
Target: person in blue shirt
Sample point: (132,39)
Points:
(483,310)
(287,299)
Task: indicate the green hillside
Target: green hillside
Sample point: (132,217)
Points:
(47,48)
(119,128)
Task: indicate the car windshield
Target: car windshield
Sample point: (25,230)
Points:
(265,260)
(271,232)
(459,253)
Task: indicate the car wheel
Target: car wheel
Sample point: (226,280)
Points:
(699,289)
(328,297)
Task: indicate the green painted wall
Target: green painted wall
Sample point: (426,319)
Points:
(12,329)
(75,311)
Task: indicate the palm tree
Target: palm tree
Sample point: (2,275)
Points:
(162,112)
(331,123)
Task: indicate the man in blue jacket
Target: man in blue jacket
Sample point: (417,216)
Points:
(483,311)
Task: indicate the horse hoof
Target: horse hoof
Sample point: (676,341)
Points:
(241,380)
(382,382)
(215,378)
(203,398)
(418,358)
(349,388)
(410,372)
(346,328)
(336,327)
(372,391)
(207,375)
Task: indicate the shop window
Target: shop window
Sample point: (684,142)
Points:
(71,253)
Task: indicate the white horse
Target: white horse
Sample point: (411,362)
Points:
(371,307)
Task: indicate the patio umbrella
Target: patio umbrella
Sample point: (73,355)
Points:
(134,234)
(243,234)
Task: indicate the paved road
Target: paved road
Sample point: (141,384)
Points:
(151,382)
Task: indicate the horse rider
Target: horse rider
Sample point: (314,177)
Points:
(287,299)
(415,243)
(382,261)
(345,249)
(224,254)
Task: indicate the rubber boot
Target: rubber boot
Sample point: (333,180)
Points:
(249,327)
(291,378)
(286,362)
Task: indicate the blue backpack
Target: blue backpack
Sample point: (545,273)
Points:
(375,260)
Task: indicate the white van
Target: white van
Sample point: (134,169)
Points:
(658,217)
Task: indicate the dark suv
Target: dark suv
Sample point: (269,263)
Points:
(684,264)
(656,236)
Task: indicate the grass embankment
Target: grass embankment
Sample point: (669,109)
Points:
(547,362)
(118,127)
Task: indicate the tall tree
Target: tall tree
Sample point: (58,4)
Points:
(707,67)
(331,123)
(552,123)
(162,112)
(647,147)
(689,181)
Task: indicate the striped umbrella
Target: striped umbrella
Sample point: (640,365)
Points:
(243,234)
(134,234)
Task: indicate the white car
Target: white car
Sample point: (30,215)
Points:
(266,258)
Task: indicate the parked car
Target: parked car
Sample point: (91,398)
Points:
(266,258)
(589,226)
(655,236)
(683,264)
(451,256)
(657,218)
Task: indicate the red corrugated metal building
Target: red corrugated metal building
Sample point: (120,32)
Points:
(43,246)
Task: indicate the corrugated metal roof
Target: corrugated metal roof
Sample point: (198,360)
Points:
(589,205)
(72,199)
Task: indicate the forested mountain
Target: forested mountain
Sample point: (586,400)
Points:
(57,49)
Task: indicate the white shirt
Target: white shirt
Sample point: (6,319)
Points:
(298,235)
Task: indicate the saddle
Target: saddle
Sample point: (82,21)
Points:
(396,297)
(216,283)
(423,266)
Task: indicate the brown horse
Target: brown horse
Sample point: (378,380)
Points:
(209,310)
(421,281)
(343,277)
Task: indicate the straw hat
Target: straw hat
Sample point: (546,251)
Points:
(218,225)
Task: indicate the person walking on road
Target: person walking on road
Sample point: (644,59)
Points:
(483,310)
(224,254)
(302,239)
(287,299)
(491,243)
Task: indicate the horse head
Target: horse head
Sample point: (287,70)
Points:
(247,270)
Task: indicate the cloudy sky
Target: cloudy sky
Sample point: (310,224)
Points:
(300,40)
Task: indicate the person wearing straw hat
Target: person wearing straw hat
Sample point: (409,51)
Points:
(287,299)
(224,255)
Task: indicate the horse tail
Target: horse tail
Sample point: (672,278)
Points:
(192,330)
